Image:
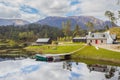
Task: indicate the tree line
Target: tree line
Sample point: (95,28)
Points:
(31,32)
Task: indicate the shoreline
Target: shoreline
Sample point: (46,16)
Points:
(97,61)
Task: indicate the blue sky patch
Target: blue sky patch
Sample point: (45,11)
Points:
(4,3)
(30,68)
(74,75)
(75,2)
(29,9)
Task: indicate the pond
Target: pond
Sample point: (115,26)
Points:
(29,69)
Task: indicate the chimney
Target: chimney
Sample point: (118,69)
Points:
(89,33)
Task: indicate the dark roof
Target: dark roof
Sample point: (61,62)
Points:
(79,38)
(98,38)
(42,39)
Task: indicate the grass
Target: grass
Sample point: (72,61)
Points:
(92,61)
(54,49)
(90,52)
(7,51)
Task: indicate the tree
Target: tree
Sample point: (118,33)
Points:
(67,28)
(90,26)
(106,27)
(63,28)
(111,16)
(118,14)
(76,31)
(26,35)
(13,43)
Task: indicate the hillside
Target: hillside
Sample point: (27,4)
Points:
(80,20)
(6,22)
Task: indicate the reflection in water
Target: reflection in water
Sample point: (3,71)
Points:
(108,70)
(67,65)
(29,69)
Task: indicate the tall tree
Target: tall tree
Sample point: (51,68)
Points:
(90,26)
(118,14)
(76,31)
(106,27)
(67,28)
(63,28)
(111,16)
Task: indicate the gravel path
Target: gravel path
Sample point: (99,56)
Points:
(112,47)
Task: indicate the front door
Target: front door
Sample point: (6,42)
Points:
(96,41)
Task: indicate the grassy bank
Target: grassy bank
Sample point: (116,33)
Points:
(52,49)
(90,52)
(94,61)
(11,49)
(13,53)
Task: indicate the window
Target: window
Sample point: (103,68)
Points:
(91,41)
(103,35)
(101,41)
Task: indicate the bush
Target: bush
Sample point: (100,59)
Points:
(13,44)
(55,42)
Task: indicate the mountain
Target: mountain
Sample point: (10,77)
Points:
(80,20)
(5,22)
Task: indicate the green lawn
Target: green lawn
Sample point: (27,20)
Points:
(90,52)
(54,49)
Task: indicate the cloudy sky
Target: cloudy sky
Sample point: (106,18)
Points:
(33,10)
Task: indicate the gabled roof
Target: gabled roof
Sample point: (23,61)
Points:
(97,35)
(42,39)
(104,35)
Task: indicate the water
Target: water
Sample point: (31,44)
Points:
(29,69)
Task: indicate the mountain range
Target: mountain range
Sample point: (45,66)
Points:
(80,20)
(5,22)
(57,21)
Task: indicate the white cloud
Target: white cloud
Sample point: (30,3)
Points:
(97,8)
(11,9)
(51,7)
(9,12)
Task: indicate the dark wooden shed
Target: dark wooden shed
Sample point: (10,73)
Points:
(44,41)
